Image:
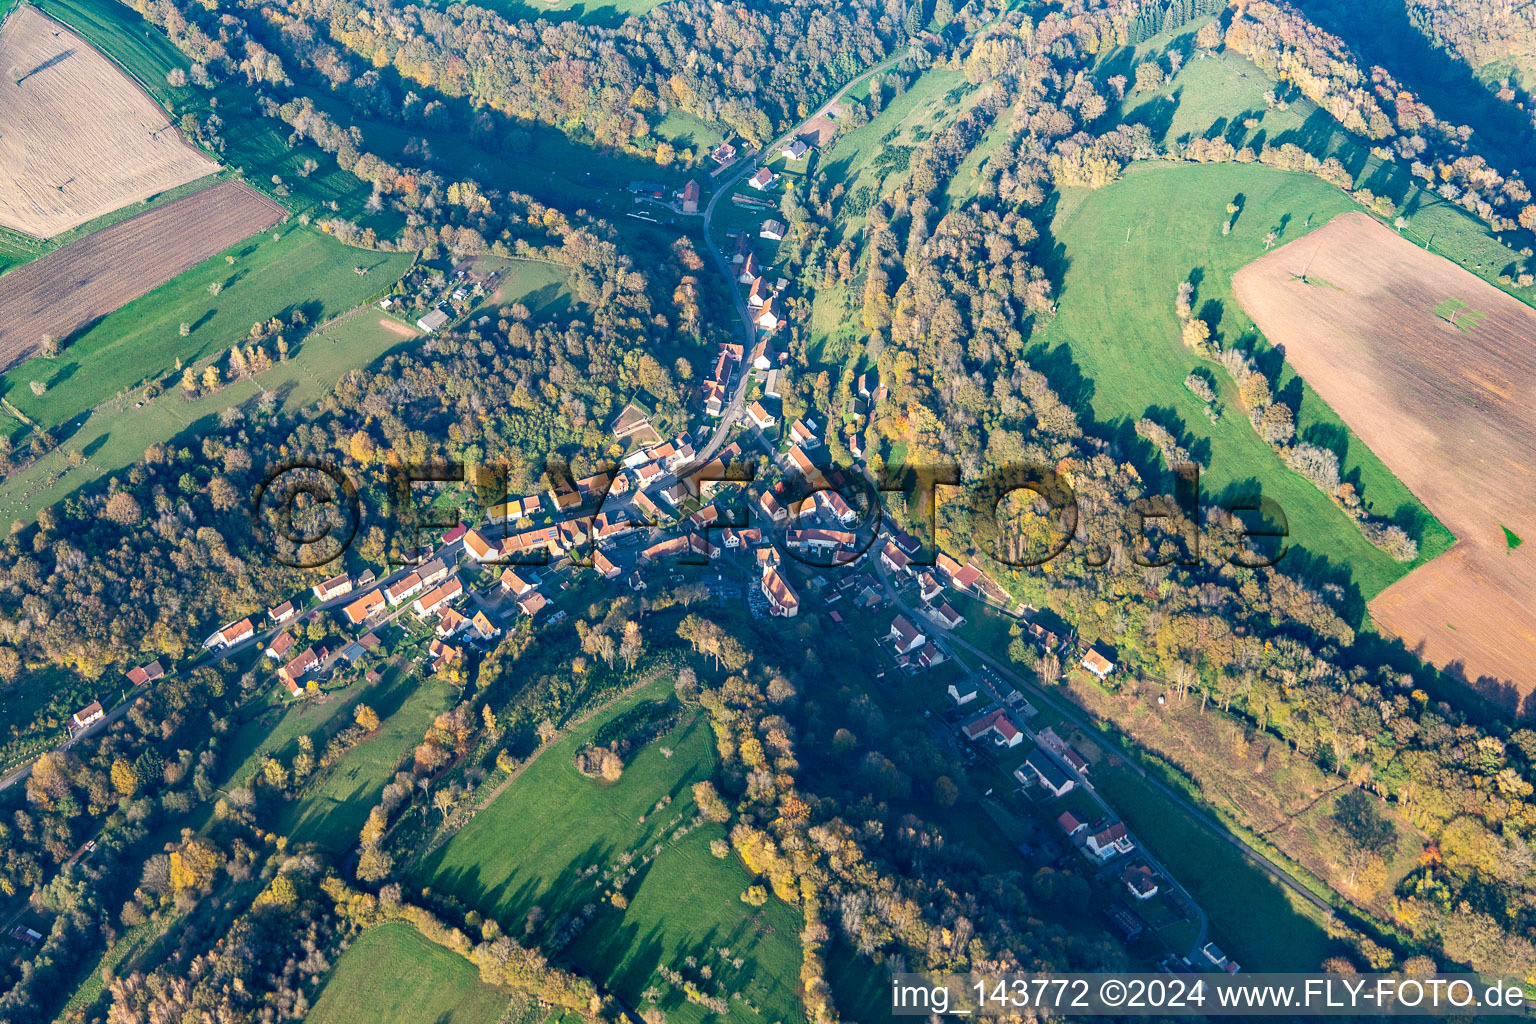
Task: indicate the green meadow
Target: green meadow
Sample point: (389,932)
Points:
(300,270)
(116,433)
(331,810)
(1234,893)
(392,975)
(1113,349)
(555,841)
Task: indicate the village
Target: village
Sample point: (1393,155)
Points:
(807,540)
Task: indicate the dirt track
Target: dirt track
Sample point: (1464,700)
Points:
(75,285)
(1452,412)
(78,138)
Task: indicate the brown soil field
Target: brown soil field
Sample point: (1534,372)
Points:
(87,279)
(78,138)
(1451,411)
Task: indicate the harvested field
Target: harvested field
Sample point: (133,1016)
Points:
(75,285)
(80,138)
(1449,407)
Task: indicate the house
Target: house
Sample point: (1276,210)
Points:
(931,654)
(782,600)
(751,269)
(947,617)
(1069,824)
(1110,842)
(531,604)
(723,154)
(145,674)
(804,432)
(336,586)
(795,150)
(432,321)
(483,626)
(1140,881)
(760,417)
(86,717)
(515,585)
(1096,663)
(604,565)
(450,622)
(759,292)
(867,384)
(928,586)
(632,419)
(1125,922)
(762,354)
(803,464)
(743,247)
(402,589)
(231,635)
(856,444)
(442,655)
(21,933)
(282,613)
(771,315)
(962,693)
(1214,954)
(1039,768)
(763,180)
(359,611)
(280,645)
(431,601)
(893,558)
(837,507)
(771,383)
(298,668)
(456,534)
(479,549)
(771,507)
(772,230)
(691,197)
(433,571)
(907,638)
(1004,732)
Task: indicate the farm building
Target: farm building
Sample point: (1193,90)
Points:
(432,321)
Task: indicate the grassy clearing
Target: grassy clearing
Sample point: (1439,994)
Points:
(1232,891)
(597,12)
(301,270)
(553,839)
(116,433)
(863,158)
(1115,341)
(332,811)
(392,975)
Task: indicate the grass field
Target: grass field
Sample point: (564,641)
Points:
(332,811)
(863,158)
(550,840)
(598,12)
(116,433)
(1234,893)
(1113,349)
(301,270)
(392,975)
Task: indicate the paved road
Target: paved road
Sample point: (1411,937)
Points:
(920,615)
(735,411)
(448,552)
(1211,824)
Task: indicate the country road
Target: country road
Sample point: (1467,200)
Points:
(448,552)
(1070,714)
(736,409)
